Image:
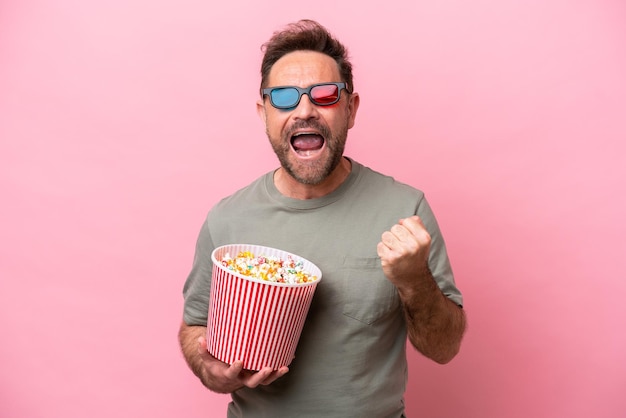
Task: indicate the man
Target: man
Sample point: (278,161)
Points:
(385,270)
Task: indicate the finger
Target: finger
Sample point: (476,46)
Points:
(413,224)
(401,240)
(234,370)
(202,342)
(382,249)
(255,379)
(410,219)
(416,228)
(202,347)
(402,234)
(276,375)
(388,239)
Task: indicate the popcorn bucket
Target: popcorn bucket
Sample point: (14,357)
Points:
(255,320)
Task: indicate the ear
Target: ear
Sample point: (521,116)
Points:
(353,106)
(260,109)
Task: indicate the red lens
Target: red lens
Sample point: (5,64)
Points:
(325,94)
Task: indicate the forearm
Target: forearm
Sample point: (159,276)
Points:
(201,363)
(188,338)
(435,324)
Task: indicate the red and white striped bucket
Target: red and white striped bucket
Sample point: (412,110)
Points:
(254,320)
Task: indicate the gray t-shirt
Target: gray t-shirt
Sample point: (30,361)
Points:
(351,360)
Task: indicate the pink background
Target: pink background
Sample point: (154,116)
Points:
(123,121)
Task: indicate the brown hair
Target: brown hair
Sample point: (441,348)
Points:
(305,35)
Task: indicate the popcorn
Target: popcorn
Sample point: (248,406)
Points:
(273,269)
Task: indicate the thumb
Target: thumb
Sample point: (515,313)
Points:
(202,345)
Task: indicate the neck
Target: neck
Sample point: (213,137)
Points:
(290,187)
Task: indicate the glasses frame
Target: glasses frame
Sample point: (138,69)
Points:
(307,91)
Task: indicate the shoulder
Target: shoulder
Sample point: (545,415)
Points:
(386,184)
(254,190)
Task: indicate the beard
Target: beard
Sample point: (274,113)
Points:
(310,172)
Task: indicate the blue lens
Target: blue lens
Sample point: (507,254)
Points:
(287,97)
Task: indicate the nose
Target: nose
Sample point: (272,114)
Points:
(305,109)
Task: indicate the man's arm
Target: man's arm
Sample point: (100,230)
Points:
(435,324)
(214,374)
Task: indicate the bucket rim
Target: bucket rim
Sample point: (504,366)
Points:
(254,248)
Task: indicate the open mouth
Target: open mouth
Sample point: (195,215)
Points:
(306,143)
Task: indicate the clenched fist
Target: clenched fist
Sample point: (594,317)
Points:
(404,251)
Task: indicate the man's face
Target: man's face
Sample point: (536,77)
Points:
(308,139)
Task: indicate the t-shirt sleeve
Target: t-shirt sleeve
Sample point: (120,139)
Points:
(438,260)
(197,288)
